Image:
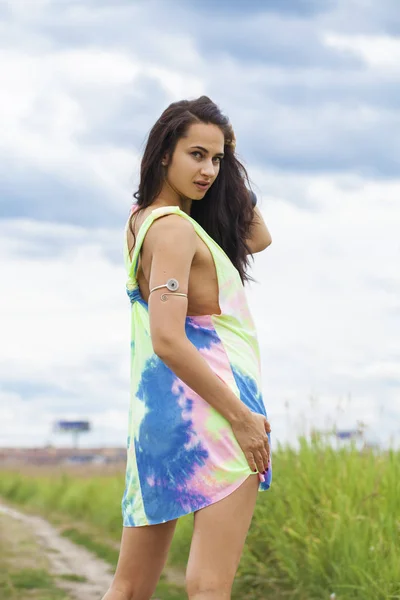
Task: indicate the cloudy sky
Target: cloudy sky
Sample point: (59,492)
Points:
(313,91)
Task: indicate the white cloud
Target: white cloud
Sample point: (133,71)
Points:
(325,329)
(325,326)
(65,326)
(326,307)
(51,100)
(178,85)
(378,51)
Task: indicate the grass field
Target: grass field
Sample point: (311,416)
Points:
(329,525)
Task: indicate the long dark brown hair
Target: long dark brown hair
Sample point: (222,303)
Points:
(225,212)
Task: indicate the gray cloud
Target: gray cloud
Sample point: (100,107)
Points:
(305,99)
(132,118)
(47,197)
(30,390)
(358,16)
(297,7)
(24,239)
(296,105)
(270,40)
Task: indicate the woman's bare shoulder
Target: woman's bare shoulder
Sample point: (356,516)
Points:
(170,228)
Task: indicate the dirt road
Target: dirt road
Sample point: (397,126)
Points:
(66,558)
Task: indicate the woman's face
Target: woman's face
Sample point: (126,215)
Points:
(196,160)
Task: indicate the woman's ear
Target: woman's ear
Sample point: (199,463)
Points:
(165,160)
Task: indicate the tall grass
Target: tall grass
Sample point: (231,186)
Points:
(329,525)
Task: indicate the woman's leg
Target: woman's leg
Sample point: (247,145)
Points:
(219,535)
(142,557)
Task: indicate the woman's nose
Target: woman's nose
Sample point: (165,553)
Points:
(208,169)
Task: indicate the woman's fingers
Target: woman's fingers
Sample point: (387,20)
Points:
(266,442)
(260,461)
(265,458)
(252,462)
(266,448)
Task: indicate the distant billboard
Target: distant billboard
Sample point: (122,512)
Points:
(347,435)
(72,426)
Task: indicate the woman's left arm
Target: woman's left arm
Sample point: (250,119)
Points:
(260,237)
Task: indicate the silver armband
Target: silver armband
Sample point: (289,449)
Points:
(172,285)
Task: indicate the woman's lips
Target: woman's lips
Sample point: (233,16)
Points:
(202,186)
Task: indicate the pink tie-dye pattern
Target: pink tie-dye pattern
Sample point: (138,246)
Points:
(221,448)
(151,481)
(216,356)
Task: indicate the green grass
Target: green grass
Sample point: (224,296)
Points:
(71,577)
(329,524)
(26,579)
(17,583)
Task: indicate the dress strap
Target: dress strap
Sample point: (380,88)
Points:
(229,282)
(155,214)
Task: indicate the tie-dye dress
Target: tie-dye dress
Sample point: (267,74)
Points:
(182,454)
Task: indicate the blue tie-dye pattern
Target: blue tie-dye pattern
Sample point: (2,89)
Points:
(129,521)
(250,395)
(134,295)
(160,447)
(199,336)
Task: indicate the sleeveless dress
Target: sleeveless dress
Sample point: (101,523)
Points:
(182,454)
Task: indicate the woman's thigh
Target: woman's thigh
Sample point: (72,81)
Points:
(142,557)
(219,535)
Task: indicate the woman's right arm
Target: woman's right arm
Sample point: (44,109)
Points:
(170,246)
(260,237)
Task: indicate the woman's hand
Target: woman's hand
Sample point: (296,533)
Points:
(251,434)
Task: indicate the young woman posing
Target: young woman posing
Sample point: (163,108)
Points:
(198,431)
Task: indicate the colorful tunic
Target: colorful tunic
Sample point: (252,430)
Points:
(182,454)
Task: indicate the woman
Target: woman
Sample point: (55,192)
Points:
(198,434)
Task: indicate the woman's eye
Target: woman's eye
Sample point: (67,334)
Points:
(197,154)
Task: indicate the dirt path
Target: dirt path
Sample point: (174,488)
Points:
(66,558)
